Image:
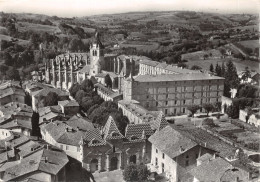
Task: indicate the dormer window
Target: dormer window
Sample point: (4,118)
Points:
(114,134)
(134,138)
(95,141)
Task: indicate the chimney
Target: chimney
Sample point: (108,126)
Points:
(46,159)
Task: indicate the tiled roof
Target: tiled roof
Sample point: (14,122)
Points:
(207,140)
(85,69)
(17,123)
(94,138)
(62,132)
(171,142)
(140,131)
(48,161)
(11,91)
(162,65)
(149,62)
(9,83)
(160,121)
(19,141)
(104,89)
(179,70)
(102,75)
(211,170)
(68,103)
(205,157)
(175,77)
(81,123)
(110,130)
(45,91)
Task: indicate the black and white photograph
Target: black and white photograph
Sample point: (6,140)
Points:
(129,91)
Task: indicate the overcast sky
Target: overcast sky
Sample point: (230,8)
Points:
(70,8)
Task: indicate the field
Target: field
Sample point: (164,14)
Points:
(250,43)
(25,26)
(8,38)
(141,46)
(240,65)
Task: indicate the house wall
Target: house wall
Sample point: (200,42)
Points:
(177,166)
(70,150)
(4,134)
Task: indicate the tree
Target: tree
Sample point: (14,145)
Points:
(13,74)
(211,68)
(35,125)
(87,85)
(193,109)
(134,172)
(246,74)
(28,99)
(74,89)
(182,65)
(3,69)
(79,95)
(205,56)
(108,81)
(233,111)
(208,107)
(231,75)
(51,99)
(218,70)
(195,67)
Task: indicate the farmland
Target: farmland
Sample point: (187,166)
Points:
(240,65)
(250,43)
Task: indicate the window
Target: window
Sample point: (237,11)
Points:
(114,149)
(184,101)
(183,110)
(167,96)
(166,103)
(61,146)
(147,96)
(166,111)
(175,111)
(187,163)
(156,161)
(156,150)
(162,167)
(197,156)
(175,102)
(147,104)
(156,103)
(67,147)
(163,155)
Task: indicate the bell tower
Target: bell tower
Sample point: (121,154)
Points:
(96,56)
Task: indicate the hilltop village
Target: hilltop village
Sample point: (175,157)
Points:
(90,113)
(134,97)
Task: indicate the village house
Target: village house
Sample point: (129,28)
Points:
(15,117)
(29,160)
(38,95)
(212,168)
(175,149)
(251,118)
(11,94)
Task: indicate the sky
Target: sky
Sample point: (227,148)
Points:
(72,8)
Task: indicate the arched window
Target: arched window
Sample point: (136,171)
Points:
(114,134)
(134,138)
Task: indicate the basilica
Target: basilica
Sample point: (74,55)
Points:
(70,68)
